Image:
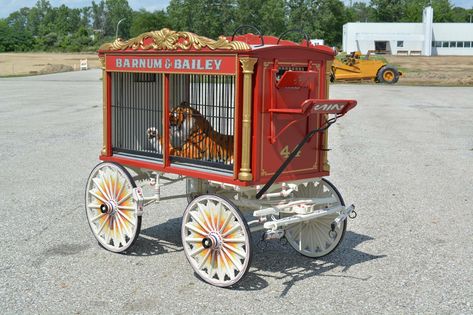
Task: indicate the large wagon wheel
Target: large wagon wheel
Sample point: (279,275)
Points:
(216,240)
(110,207)
(315,238)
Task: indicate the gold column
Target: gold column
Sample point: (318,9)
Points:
(104,107)
(326,165)
(247,65)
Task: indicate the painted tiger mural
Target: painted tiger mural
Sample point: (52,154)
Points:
(192,136)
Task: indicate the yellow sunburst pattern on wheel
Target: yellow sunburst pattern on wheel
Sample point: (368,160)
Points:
(224,259)
(112,211)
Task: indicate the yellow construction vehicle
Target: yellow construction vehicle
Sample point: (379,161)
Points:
(353,67)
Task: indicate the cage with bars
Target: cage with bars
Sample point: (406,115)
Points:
(244,120)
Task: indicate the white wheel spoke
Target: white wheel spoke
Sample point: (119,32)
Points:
(97,217)
(121,227)
(220,269)
(124,198)
(126,208)
(195,229)
(108,185)
(202,213)
(219,213)
(237,251)
(115,186)
(211,265)
(103,225)
(234,240)
(230,272)
(234,260)
(126,217)
(125,226)
(197,251)
(312,246)
(196,219)
(122,183)
(324,238)
(225,223)
(206,257)
(105,179)
(93,206)
(317,238)
(97,196)
(233,229)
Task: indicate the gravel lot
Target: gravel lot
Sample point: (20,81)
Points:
(404,157)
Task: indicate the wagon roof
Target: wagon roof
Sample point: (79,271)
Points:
(174,41)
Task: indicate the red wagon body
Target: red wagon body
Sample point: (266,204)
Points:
(272,80)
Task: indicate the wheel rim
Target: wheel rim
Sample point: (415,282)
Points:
(388,75)
(216,240)
(314,238)
(110,207)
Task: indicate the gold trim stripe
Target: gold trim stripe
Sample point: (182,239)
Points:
(247,64)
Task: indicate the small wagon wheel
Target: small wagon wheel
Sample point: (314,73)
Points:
(315,238)
(110,207)
(216,240)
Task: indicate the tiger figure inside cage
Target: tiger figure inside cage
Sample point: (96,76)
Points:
(192,136)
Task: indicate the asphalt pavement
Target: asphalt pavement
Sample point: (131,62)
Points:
(403,156)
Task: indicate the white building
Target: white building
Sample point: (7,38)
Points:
(426,38)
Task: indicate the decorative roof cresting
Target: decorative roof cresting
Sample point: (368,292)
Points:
(166,39)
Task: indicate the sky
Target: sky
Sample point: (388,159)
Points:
(9,6)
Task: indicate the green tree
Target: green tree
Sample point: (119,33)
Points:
(273,17)
(98,16)
(388,10)
(144,21)
(322,19)
(205,17)
(442,11)
(115,10)
(360,12)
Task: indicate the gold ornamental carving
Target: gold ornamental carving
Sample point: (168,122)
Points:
(166,39)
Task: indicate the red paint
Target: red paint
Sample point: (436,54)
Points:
(208,64)
(284,108)
(199,174)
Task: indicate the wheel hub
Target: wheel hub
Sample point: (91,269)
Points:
(213,241)
(109,207)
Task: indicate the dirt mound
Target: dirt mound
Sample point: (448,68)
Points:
(438,70)
(14,64)
(53,68)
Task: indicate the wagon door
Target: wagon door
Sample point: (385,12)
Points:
(286,86)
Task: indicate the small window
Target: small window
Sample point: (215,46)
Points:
(400,43)
(445,44)
(467,44)
(453,44)
(460,44)
(438,44)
